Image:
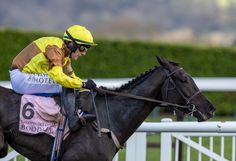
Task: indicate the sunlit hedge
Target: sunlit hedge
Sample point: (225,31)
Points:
(130,58)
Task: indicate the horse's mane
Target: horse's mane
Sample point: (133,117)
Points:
(135,81)
(139,78)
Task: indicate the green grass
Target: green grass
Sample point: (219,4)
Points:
(128,58)
(116,59)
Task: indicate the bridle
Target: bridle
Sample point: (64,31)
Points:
(191,107)
(169,80)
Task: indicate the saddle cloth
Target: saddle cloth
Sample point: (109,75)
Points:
(39,114)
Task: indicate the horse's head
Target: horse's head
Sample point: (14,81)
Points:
(180,88)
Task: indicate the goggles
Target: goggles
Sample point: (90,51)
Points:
(83,48)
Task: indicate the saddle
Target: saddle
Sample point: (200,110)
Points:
(40,114)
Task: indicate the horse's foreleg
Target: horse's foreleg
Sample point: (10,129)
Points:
(4,150)
(3,145)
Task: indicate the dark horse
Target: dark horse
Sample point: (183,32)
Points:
(122,115)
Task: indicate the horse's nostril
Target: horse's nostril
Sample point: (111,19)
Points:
(211,110)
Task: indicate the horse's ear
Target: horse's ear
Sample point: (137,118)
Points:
(160,61)
(164,63)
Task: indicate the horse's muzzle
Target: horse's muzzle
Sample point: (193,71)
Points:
(209,114)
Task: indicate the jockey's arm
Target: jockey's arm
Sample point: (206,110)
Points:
(75,77)
(56,56)
(57,74)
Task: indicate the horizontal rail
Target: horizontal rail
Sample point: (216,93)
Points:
(167,127)
(204,83)
(207,127)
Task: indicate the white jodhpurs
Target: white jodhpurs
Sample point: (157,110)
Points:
(33,83)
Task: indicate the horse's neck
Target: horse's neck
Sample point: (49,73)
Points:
(126,113)
(9,106)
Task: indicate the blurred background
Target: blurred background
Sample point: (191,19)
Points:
(195,21)
(199,34)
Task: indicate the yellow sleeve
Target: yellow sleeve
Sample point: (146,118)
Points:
(56,73)
(75,77)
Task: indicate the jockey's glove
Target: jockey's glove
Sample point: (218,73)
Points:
(89,84)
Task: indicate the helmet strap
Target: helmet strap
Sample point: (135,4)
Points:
(74,46)
(69,46)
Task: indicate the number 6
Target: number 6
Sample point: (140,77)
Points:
(29,111)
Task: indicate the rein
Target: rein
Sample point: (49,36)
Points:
(188,106)
(161,103)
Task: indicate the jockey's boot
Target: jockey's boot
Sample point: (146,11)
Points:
(85,117)
(74,121)
(68,101)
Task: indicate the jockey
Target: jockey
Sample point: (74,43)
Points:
(44,67)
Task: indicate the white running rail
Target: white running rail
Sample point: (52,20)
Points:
(191,134)
(204,83)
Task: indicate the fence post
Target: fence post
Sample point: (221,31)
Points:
(166,143)
(136,147)
(166,146)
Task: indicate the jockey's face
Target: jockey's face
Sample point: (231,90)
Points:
(75,55)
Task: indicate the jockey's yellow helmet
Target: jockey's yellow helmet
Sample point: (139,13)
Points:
(80,35)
